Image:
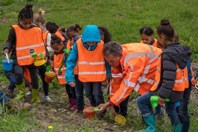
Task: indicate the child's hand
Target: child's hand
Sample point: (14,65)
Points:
(103,106)
(5,51)
(161,102)
(72,84)
(105,83)
(193,81)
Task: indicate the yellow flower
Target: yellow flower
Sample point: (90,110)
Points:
(50,127)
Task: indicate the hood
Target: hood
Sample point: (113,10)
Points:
(179,53)
(91,34)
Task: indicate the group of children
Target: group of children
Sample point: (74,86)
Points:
(82,63)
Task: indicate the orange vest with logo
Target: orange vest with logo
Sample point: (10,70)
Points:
(58,60)
(115,81)
(181,81)
(27,42)
(139,63)
(91,64)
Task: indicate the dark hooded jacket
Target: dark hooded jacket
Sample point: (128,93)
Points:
(173,54)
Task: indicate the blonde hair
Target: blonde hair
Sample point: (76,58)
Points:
(39,17)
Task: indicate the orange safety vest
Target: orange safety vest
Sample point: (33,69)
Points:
(139,63)
(27,42)
(44,35)
(154,44)
(181,81)
(69,47)
(58,60)
(115,81)
(91,64)
(26,75)
(58,33)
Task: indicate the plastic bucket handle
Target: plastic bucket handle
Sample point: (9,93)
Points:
(7,58)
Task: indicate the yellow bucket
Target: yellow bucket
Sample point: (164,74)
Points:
(120,119)
(39,62)
(51,74)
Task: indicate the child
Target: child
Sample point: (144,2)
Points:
(73,35)
(59,66)
(104,34)
(146,34)
(51,28)
(23,40)
(87,54)
(40,20)
(10,75)
(10,89)
(183,109)
(170,79)
(106,38)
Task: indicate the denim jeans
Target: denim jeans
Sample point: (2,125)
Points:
(12,79)
(183,109)
(94,92)
(172,112)
(3,98)
(122,108)
(158,110)
(144,105)
(149,110)
(79,89)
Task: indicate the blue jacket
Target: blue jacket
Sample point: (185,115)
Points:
(90,34)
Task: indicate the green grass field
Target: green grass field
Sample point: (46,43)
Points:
(123,18)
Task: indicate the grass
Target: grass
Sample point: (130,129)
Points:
(22,121)
(123,18)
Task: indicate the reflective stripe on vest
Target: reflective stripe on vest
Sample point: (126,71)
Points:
(91,73)
(116,75)
(25,57)
(91,64)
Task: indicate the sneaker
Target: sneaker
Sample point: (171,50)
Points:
(48,99)
(29,93)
